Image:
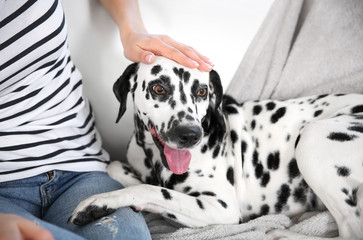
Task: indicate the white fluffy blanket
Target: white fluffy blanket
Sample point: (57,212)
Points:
(312,223)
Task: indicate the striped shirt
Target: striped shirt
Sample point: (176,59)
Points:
(45,121)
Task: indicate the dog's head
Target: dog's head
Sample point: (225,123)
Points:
(174,105)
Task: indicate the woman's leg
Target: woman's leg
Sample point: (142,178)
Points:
(122,224)
(21,197)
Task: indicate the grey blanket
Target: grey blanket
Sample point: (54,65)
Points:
(304,47)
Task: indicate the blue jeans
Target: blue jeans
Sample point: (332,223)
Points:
(50,198)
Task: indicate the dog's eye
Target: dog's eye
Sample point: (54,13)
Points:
(159,90)
(202,92)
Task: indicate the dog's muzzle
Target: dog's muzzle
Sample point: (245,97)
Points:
(178,159)
(186,136)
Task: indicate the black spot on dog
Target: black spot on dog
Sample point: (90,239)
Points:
(256,110)
(216,151)
(243,151)
(172,103)
(183,97)
(253,124)
(258,170)
(278,114)
(155,178)
(352,197)
(181,114)
(209,193)
(357,128)
(200,204)
(343,171)
(270,106)
(244,146)
(148,158)
(341,137)
(313,201)
(255,158)
(293,169)
(299,194)
(204,148)
(297,140)
(264,209)
(187,189)
(176,179)
(166,194)
(186,76)
(282,196)
(194,194)
(321,96)
(170,122)
(265,179)
(230,175)
(143,85)
(179,72)
(126,168)
(357,109)
(156,69)
(190,118)
(273,161)
(234,136)
(317,113)
(288,137)
(171,216)
(156,106)
(345,191)
(224,204)
(357,213)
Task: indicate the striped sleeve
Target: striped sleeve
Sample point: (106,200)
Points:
(45,121)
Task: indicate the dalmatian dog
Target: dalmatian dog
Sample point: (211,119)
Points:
(200,158)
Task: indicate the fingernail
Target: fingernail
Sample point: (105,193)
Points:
(210,63)
(148,58)
(209,66)
(195,63)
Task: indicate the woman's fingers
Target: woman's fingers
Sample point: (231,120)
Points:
(15,227)
(144,47)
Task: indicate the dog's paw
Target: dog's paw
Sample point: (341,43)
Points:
(90,214)
(90,210)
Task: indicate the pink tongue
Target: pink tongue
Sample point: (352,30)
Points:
(178,160)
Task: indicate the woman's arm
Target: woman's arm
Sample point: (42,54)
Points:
(140,46)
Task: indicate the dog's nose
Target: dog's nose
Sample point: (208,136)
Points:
(188,136)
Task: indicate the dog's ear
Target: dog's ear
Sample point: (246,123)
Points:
(216,88)
(214,117)
(122,87)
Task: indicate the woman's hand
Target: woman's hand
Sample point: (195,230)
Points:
(13,227)
(142,47)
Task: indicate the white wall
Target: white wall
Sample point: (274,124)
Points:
(219,29)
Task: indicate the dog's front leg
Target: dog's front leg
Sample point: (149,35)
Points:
(188,210)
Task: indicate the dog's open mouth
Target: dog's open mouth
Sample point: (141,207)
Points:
(178,160)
